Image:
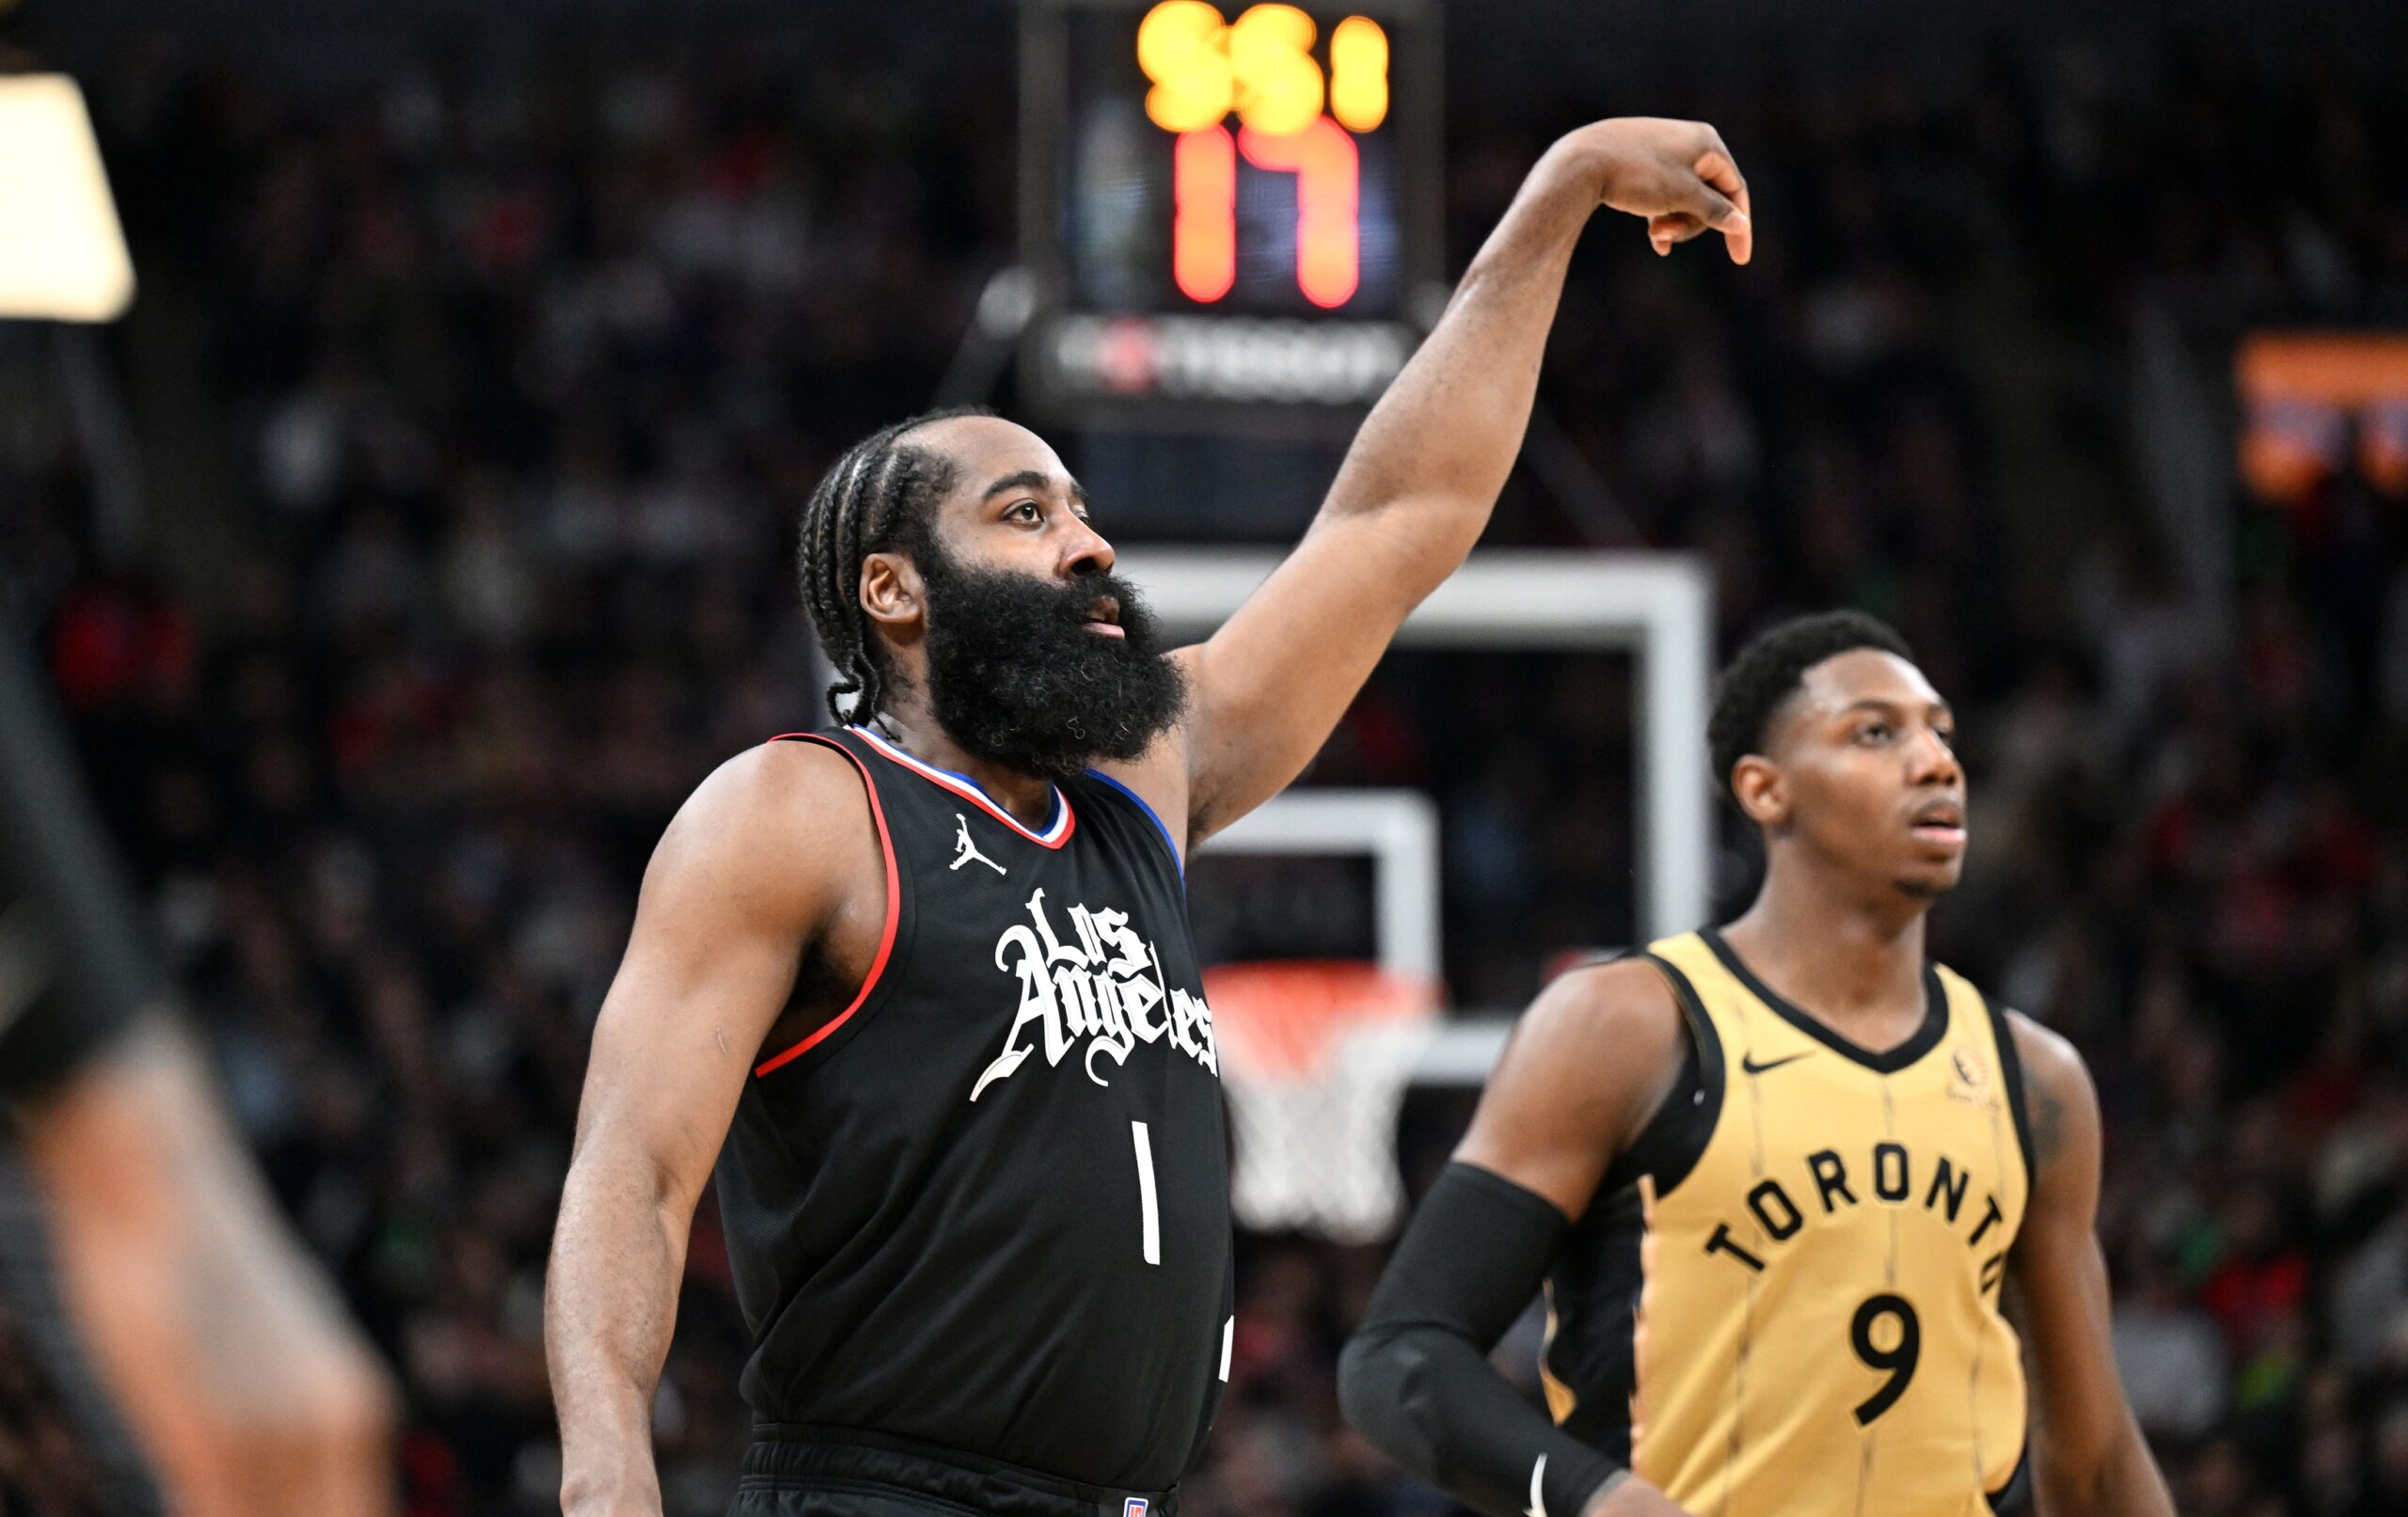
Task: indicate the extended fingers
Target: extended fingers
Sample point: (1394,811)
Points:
(1666,231)
(1715,167)
(1707,207)
(1680,176)
(1721,180)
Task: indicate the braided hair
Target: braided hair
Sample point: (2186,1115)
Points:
(879,497)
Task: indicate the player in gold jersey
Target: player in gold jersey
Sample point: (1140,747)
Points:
(1804,1204)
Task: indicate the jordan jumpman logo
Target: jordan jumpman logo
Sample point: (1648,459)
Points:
(970,849)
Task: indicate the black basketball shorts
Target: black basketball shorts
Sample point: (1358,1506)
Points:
(797,1470)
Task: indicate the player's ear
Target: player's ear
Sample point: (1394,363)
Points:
(1762,790)
(891,589)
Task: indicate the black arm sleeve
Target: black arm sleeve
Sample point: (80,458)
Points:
(1415,1377)
(76,964)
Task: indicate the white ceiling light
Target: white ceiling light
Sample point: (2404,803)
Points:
(62,254)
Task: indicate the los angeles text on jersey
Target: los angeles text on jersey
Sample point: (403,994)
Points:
(1107,985)
(1889,1175)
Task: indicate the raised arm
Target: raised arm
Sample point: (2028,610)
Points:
(740,882)
(2088,1455)
(1417,486)
(1590,1062)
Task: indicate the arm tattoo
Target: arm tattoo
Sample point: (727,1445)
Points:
(2048,1112)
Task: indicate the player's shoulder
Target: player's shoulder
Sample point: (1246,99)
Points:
(772,807)
(1587,1066)
(1622,1009)
(785,779)
(2048,1056)
(2059,1095)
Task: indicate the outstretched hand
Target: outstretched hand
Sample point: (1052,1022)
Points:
(1676,174)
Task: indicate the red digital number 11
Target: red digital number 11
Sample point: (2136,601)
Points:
(1204,195)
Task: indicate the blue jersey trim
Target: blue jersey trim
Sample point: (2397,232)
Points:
(1041,834)
(1175,857)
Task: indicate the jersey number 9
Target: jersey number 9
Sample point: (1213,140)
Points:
(1899,1359)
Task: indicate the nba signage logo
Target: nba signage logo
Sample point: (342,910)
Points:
(1134,1506)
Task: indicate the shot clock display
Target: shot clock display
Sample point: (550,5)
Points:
(1228,209)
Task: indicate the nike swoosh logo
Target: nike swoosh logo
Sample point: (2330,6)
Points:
(1538,1496)
(1748,1062)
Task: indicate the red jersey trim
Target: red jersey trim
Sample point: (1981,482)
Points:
(894,912)
(1057,832)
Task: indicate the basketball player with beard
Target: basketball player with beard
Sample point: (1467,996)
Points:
(923,986)
(1791,1187)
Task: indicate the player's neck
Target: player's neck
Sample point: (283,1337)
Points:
(912,727)
(1829,951)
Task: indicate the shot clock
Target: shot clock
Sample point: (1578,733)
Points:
(1228,209)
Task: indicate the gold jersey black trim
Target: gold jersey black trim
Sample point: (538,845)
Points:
(1605,1313)
(2018,1105)
(1676,1133)
(1597,1267)
(1889,1060)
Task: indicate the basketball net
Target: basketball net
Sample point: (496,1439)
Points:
(1315,1057)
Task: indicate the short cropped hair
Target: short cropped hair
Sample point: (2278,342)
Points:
(1772,668)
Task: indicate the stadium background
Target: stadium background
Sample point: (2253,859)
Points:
(480,364)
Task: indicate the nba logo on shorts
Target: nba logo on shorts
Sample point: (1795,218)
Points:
(1134,1506)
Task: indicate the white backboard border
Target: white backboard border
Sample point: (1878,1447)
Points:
(1660,607)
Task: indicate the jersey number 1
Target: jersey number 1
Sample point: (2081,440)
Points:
(1899,1361)
(1148,1204)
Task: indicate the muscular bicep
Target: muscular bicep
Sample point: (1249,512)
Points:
(734,892)
(2058,1298)
(1265,691)
(1587,1066)
(2057,1280)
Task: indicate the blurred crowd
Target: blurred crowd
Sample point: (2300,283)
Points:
(518,373)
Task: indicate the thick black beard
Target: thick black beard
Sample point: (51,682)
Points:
(1016,679)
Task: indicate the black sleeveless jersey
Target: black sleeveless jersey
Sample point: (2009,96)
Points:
(987,1206)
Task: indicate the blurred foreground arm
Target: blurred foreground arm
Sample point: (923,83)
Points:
(1418,486)
(221,1343)
(2087,1452)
